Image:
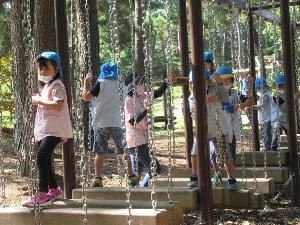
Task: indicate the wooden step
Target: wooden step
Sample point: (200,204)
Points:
(188,198)
(283,137)
(174,209)
(273,158)
(222,197)
(73,216)
(279,174)
(263,185)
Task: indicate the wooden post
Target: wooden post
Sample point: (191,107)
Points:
(199,90)
(184,58)
(62,49)
(290,94)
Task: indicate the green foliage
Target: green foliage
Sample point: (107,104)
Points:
(6,93)
(5,29)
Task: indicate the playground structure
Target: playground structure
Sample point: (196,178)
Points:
(167,200)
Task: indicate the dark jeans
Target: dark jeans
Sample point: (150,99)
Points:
(46,176)
(144,161)
(278,129)
(232,148)
(267,135)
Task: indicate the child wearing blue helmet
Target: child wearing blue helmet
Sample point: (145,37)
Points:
(237,101)
(278,107)
(216,97)
(264,111)
(106,118)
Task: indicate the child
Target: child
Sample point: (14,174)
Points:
(52,124)
(136,105)
(264,108)
(216,98)
(278,116)
(236,101)
(106,118)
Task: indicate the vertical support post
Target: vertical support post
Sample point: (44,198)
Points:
(199,90)
(295,76)
(290,102)
(254,121)
(184,59)
(62,49)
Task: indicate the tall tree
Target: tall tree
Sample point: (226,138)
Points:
(44,26)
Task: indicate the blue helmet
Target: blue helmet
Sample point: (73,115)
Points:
(108,70)
(224,72)
(53,56)
(280,79)
(260,82)
(206,74)
(209,56)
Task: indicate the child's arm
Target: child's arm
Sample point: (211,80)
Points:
(86,94)
(159,92)
(130,111)
(52,105)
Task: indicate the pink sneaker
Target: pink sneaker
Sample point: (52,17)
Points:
(55,193)
(42,198)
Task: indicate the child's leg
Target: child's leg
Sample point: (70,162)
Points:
(100,147)
(267,133)
(45,150)
(148,175)
(275,136)
(213,157)
(232,148)
(117,135)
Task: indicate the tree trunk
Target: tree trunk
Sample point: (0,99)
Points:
(20,85)
(81,56)
(139,43)
(44,26)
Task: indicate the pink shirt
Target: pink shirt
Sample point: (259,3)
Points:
(138,135)
(51,122)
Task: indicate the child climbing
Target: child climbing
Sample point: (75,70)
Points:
(52,125)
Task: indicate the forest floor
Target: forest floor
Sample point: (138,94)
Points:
(16,189)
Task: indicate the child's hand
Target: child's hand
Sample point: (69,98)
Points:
(88,77)
(172,78)
(147,103)
(36,99)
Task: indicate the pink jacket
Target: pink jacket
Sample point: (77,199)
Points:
(51,122)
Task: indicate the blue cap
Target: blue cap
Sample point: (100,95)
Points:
(209,56)
(260,82)
(280,79)
(108,70)
(206,74)
(224,72)
(53,56)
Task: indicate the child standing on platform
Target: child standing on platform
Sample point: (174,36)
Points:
(237,101)
(278,107)
(106,118)
(136,105)
(52,124)
(264,111)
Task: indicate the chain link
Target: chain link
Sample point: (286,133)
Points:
(2,172)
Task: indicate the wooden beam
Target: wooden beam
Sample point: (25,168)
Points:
(276,5)
(241,5)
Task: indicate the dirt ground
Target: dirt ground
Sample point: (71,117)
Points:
(16,189)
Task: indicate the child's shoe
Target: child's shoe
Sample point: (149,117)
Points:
(55,193)
(97,182)
(231,184)
(217,181)
(42,198)
(134,180)
(193,182)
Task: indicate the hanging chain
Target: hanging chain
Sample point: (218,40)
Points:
(170,117)
(34,180)
(2,172)
(149,88)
